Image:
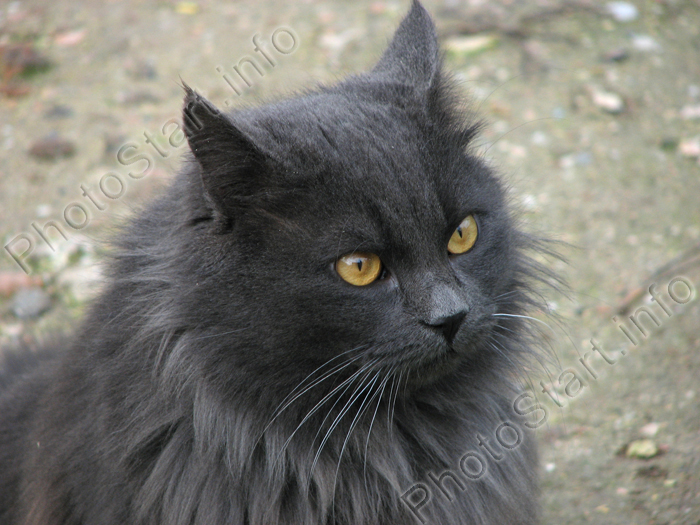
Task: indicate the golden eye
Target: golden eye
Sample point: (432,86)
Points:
(463,237)
(359,268)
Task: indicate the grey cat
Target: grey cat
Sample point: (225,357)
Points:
(319,322)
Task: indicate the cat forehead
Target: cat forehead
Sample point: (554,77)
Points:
(348,147)
(332,128)
(377,150)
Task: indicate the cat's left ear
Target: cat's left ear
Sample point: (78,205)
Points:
(413,56)
(231,164)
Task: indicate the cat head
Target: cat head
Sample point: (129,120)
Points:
(348,226)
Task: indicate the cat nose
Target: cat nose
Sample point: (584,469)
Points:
(446,309)
(449,324)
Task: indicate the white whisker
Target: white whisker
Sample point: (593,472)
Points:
(318,405)
(374,416)
(358,391)
(360,411)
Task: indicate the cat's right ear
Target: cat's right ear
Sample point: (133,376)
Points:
(230,163)
(413,56)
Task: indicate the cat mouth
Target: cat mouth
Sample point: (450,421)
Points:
(439,357)
(431,369)
(428,365)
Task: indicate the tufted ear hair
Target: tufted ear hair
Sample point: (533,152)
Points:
(413,56)
(231,165)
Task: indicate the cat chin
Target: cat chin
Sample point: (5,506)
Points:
(436,363)
(431,369)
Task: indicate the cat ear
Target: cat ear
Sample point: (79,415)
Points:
(230,163)
(413,56)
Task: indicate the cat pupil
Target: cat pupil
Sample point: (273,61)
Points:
(459,231)
(359,265)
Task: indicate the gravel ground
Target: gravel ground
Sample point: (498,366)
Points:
(593,113)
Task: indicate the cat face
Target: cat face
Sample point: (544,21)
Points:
(353,222)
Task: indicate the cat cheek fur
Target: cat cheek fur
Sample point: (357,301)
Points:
(228,375)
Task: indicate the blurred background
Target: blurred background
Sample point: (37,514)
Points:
(593,119)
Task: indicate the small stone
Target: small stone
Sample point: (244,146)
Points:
(608,101)
(537,54)
(529,202)
(70,38)
(583,158)
(567,162)
(642,449)
(143,70)
(43,211)
(645,43)
(518,151)
(622,491)
(550,467)
(469,45)
(13,330)
(187,8)
(137,97)
(59,111)
(670,483)
(52,147)
(622,11)
(649,430)
(377,8)
(616,55)
(690,147)
(12,89)
(540,138)
(30,302)
(11,282)
(113,141)
(337,42)
(9,141)
(690,112)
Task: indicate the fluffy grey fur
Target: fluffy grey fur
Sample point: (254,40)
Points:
(227,375)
